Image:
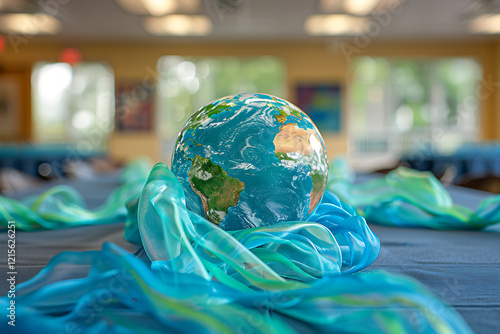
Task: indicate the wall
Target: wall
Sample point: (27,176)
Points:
(496,109)
(306,62)
(21,81)
(312,61)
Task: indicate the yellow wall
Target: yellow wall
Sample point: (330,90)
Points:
(313,61)
(496,109)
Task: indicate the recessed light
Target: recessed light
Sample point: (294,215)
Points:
(159,7)
(29,24)
(179,25)
(355,7)
(335,24)
(360,7)
(486,24)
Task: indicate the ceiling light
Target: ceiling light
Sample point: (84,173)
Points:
(355,7)
(334,24)
(360,7)
(29,24)
(179,25)
(159,7)
(486,24)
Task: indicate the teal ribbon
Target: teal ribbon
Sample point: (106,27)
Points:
(62,206)
(189,275)
(409,198)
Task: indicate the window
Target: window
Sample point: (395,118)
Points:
(186,84)
(72,103)
(402,105)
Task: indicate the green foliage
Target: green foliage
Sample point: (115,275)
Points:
(217,190)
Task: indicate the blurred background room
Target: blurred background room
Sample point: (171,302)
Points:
(88,85)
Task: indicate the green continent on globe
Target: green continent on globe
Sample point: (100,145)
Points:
(207,112)
(217,190)
(296,145)
(284,112)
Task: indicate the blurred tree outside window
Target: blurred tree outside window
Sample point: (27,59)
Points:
(185,84)
(399,106)
(71,104)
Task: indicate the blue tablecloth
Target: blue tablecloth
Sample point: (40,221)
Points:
(27,158)
(461,267)
(469,162)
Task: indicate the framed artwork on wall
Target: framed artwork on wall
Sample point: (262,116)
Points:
(10,106)
(134,107)
(322,102)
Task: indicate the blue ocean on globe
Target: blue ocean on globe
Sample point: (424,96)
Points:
(251,160)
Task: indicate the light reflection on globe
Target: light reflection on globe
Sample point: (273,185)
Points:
(251,160)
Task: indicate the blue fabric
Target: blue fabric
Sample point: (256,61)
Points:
(176,300)
(461,267)
(408,198)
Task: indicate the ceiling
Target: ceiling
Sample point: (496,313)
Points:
(260,19)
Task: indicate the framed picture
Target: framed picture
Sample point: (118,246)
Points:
(134,107)
(322,102)
(10,106)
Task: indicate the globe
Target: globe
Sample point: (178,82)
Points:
(251,160)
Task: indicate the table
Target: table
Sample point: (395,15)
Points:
(461,267)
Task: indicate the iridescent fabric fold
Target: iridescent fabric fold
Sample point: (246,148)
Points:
(335,240)
(189,275)
(62,206)
(409,198)
(113,291)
